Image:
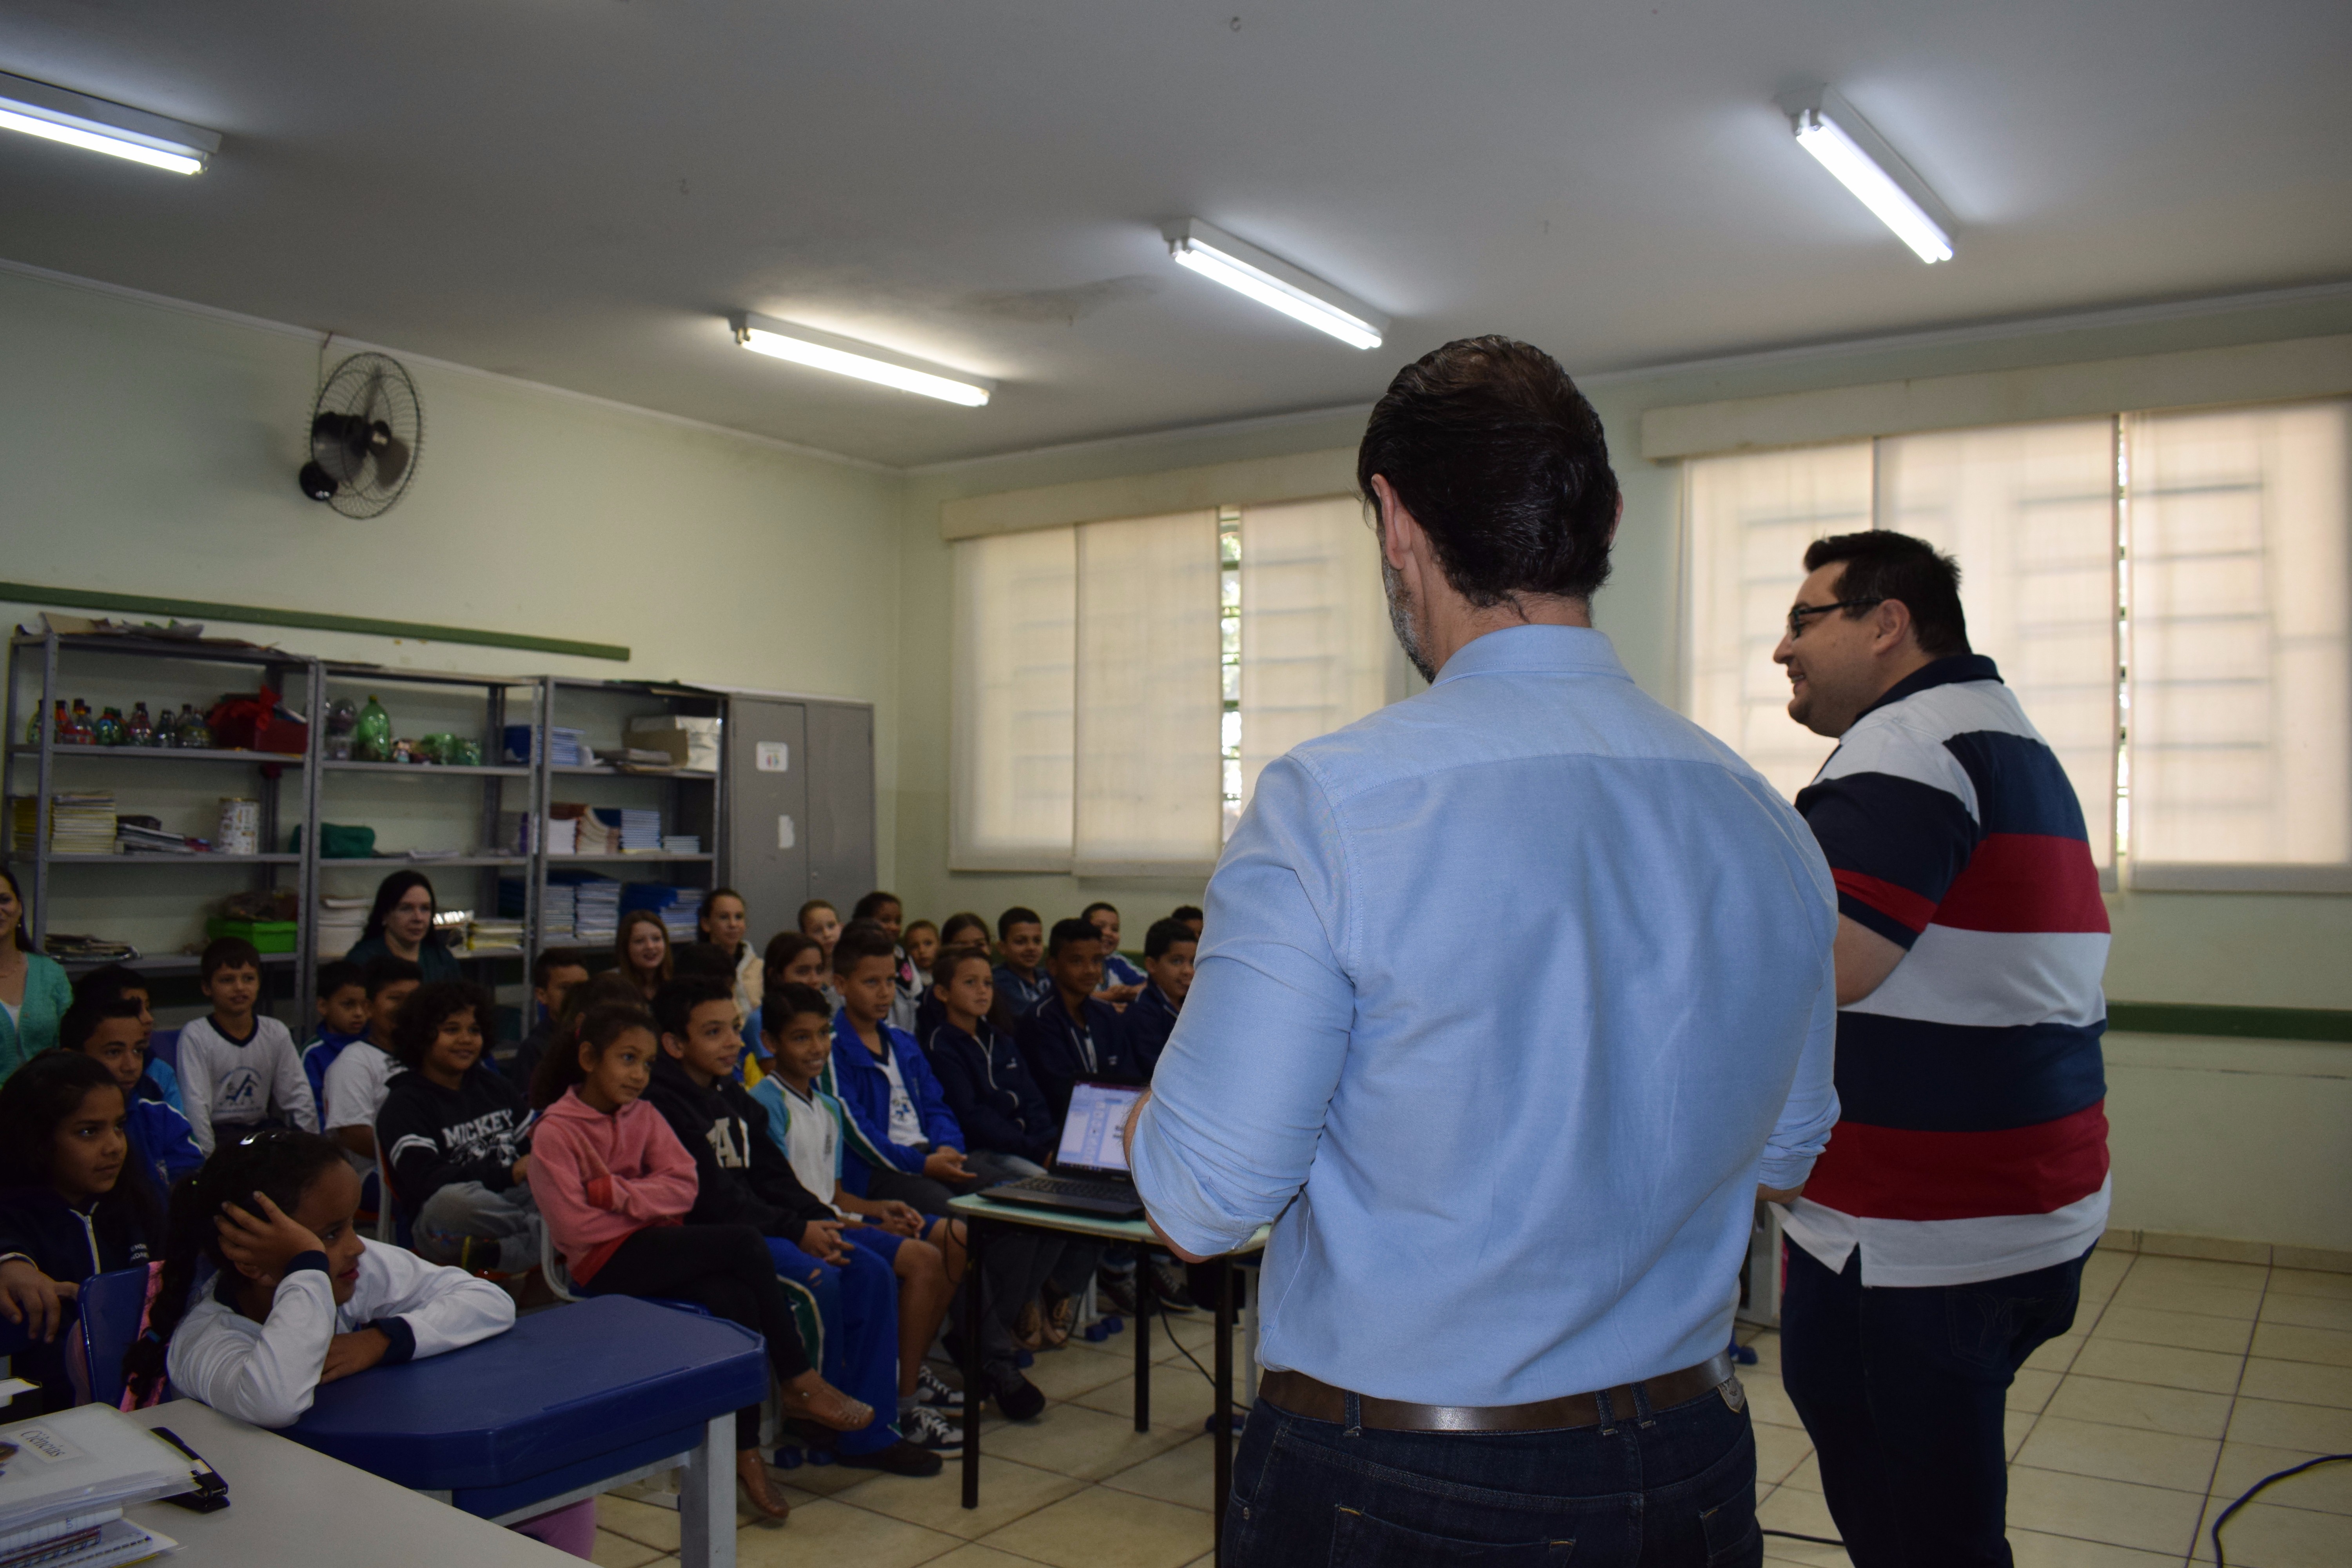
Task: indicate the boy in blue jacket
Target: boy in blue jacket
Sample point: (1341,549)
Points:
(1168,951)
(343,1017)
(163,1145)
(907,1146)
(1003,1114)
(1072,1034)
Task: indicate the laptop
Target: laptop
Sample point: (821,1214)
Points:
(1090,1176)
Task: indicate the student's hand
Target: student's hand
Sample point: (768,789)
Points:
(900,1219)
(1118,995)
(356,1352)
(262,1243)
(821,1239)
(522,1171)
(946,1165)
(31,1298)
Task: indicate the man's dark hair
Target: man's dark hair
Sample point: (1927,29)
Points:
(1165,934)
(1501,461)
(1186,912)
(1016,916)
(552,959)
(861,940)
(786,1003)
(1880,565)
(227,952)
(387,971)
(870,906)
(675,1003)
(338,973)
(1067,932)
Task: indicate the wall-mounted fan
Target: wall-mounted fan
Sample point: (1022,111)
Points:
(367,431)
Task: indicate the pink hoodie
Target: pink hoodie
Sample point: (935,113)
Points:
(598,1180)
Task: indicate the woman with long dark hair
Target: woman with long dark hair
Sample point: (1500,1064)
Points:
(34,991)
(401,926)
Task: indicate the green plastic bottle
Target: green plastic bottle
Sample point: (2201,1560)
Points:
(372,736)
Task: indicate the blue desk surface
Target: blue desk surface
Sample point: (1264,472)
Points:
(562,1388)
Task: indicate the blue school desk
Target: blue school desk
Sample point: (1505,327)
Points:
(567,1404)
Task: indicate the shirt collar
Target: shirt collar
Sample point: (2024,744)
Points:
(1946,671)
(1527,651)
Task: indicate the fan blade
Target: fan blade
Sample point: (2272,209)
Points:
(339,444)
(391,459)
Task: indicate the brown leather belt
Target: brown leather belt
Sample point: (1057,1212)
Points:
(1311,1397)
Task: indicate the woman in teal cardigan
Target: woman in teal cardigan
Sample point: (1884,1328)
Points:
(34,994)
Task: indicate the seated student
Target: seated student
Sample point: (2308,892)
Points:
(361,1077)
(1151,1018)
(743,1178)
(805,1123)
(822,921)
(641,951)
(921,941)
(238,1069)
(1073,1035)
(119,982)
(905,1142)
(161,1147)
(885,910)
(1191,916)
(963,933)
(453,1136)
(615,1185)
(1020,984)
(792,959)
(343,1018)
(75,1204)
(268,1289)
(1121,982)
(722,921)
(553,973)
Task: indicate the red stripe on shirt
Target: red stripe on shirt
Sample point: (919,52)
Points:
(1899,904)
(2025,882)
(1888,1173)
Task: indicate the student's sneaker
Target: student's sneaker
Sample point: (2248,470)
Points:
(1020,1399)
(928,1429)
(900,1459)
(932,1390)
(1168,1281)
(1115,1292)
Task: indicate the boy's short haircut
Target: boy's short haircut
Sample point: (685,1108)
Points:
(338,973)
(861,940)
(675,1003)
(801,920)
(1165,934)
(107,984)
(386,970)
(702,959)
(944,967)
(782,1004)
(82,1019)
(422,1016)
(552,959)
(1087,914)
(1186,912)
(227,952)
(1015,916)
(1067,932)
(870,906)
(911,927)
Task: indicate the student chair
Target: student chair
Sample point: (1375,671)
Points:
(163,1045)
(113,1312)
(559,1279)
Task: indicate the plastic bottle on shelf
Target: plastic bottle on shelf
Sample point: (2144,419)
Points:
(138,729)
(109,728)
(372,736)
(80,734)
(195,733)
(166,727)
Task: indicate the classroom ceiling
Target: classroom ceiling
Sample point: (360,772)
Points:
(577,191)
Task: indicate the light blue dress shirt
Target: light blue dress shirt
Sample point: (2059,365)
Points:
(1511,995)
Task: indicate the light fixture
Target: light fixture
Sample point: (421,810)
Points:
(1827,127)
(867,362)
(75,119)
(1274,282)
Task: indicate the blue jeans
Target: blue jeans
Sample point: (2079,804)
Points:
(1902,1389)
(859,1303)
(1644,1488)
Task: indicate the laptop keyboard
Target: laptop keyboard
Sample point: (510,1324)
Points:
(1075,1187)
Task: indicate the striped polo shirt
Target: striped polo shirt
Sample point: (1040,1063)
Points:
(1972,1137)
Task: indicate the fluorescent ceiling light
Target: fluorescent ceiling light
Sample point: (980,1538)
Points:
(867,362)
(1274,283)
(1827,127)
(37,109)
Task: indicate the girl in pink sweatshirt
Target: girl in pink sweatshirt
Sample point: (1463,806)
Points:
(613,1185)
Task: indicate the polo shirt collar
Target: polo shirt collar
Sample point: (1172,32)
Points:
(1949,671)
(1535,649)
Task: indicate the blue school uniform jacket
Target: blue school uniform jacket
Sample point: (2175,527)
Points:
(70,1245)
(858,1080)
(996,1102)
(1145,1026)
(317,1058)
(1060,1050)
(162,1144)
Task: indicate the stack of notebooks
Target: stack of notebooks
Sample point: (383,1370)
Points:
(70,1477)
(492,935)
(681,843)
(677,906)
(340,922)
(639,830)
(595,906)
(145,836)
(565,748)
(81,822)
(590,834)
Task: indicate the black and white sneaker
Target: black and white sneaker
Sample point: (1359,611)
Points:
(932,1390)
(928,1429)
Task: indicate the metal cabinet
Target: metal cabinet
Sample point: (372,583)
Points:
(799,804)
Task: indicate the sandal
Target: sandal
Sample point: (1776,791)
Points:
(826,1405)
(751,1487)
(1061,1313)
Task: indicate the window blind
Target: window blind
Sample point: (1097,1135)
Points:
(1013,733)
(1314,629)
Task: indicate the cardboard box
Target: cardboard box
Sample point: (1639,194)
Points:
(690,741)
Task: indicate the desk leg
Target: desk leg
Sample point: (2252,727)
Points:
(1145,1299)
(974,1388)
(1225,1405)
(706,1505)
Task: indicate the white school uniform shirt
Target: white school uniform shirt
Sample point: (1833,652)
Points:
(357,1081)
(813,1142)
(225,1084)
(906,1122)
(267,1373)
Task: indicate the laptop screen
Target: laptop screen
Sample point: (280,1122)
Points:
(1093,1134)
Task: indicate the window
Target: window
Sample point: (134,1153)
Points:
(1314,627)
(2211,742)
(1012,740)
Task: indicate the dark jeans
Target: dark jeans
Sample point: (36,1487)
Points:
(725,1267)
(1645,1489)
(1902,1389)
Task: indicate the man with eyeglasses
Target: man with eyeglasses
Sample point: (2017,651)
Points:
(1941,1237)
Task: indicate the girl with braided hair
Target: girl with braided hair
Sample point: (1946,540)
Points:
(268,1289)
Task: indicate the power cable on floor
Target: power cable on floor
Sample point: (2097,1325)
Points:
(2248,1496)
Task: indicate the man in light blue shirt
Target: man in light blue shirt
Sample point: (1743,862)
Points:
(1512,996)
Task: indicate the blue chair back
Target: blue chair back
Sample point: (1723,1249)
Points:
(113,1308)
(163,1045)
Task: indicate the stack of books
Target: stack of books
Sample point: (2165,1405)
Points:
(73,1473)
(565,748)
(677,906)
(145,836)
(595,906)
(590,836)
(681,843)
(493,935)
(81,822)
(563,836)
(637,830)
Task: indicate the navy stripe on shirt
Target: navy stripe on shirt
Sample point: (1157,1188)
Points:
(2021,787)
(1959,1078)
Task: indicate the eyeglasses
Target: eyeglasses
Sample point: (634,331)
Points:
(1796,613)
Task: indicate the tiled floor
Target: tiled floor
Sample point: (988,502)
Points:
(2183,1382)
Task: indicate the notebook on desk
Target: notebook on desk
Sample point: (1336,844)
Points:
(1090,1174)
